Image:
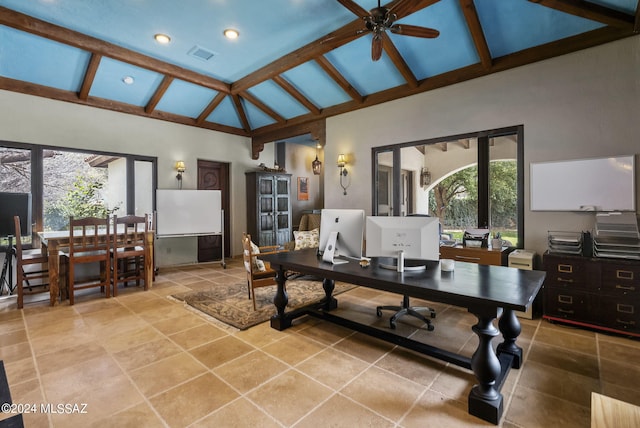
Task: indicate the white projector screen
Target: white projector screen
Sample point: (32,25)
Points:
(601,184)
(188,212)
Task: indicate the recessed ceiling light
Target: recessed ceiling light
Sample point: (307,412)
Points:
(230,33)
(128,80)
(162,38)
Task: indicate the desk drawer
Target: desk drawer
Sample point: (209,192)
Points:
(481,256)
(621,279)
(571,273)
(568,304)
(620,313)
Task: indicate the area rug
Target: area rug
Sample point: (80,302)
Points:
(231,305)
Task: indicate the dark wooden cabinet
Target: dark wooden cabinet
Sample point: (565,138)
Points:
(269,207)
(593,292)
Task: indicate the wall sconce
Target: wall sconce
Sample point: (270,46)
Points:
(316,165)
(425,177)
(342,162)
(180,167)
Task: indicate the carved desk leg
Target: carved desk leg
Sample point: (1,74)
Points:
(485,401)
(280,321)
(330,302)
(510,328)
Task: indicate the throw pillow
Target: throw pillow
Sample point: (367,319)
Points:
(257,263)
(306,239)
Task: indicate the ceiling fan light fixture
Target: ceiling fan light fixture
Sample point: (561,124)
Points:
(231,34)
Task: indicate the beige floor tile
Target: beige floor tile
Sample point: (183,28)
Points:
(220,351)
(141,415)
(250,370)
(193,400)
(436,410)
(390,395)
(333,368)
(534,409)
(179,323)
(11,337)
(115,343)
(364,347)
(293,348)
(565,359)
(20,370)
(239,413)
(558,383)
(69,357)
(165,374)
(147,353)
(289,396)
(197,336)
(340,411)
(412,366)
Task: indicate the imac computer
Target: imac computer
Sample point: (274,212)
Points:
(408,242)
(341,233)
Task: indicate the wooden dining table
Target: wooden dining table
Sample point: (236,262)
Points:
(54,241)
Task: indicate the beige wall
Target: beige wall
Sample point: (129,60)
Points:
(580,105)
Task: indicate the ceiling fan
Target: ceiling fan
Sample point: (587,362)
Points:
(381,19)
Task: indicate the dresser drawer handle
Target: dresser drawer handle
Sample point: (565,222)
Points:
(625,309)
(564,311)
(565,299)
(565,268)
(624,274)
(619,321)
(467,258)
(565,280)
(625,287)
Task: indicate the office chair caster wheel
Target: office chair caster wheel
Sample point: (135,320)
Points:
(433,314)
(430,327)
(392,324)
(379,312)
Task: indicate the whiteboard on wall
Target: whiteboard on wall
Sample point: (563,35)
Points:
(600,184)
(188,212)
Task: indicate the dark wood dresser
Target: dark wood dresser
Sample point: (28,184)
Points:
(593,292)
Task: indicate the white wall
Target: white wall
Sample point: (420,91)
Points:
(580,105)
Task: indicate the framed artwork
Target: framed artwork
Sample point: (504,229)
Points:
(303,188)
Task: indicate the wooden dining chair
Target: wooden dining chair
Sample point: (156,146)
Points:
(32,267)
(128,262)
(89,243)
(259,273)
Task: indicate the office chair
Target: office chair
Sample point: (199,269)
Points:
(406,309)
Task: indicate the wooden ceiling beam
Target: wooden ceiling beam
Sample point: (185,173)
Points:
(72,97)
(262,106)
(291,90)
(158,94)
(89,76)
(404,8)
(31,25)
(477,34)
(333,72)
(398,61)
(591,11)
(241,113)
(527,56)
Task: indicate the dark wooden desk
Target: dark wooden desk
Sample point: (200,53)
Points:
(488,292)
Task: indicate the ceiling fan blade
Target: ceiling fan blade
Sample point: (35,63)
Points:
(354,7)
(414,31)
(376,47)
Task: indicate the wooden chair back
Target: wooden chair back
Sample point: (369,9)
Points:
(128,252)
(257,278)
(32,268)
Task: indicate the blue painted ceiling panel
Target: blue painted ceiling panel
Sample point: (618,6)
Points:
(38,60)
(353,61)
(453,49)
(109,83)
(311,80)
(514,25)
(627,6)
(225,114)
(271,93)
(186,99)
(257,118)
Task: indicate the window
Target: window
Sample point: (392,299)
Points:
(468,181)
(66,182)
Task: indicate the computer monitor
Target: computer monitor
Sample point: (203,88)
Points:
(349,225)
(408,242)
(12,204)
